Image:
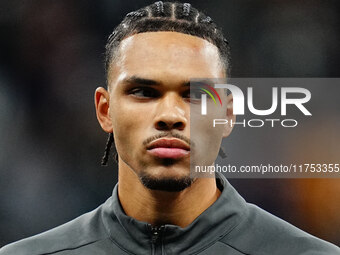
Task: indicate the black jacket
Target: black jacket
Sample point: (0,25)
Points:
(229,226)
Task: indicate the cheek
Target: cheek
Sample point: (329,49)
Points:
(129,127)
(207,138)
(207,143)
(124,121)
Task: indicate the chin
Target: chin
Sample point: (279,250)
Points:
(166,179)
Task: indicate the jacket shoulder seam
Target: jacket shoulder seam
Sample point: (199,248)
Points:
(233,247)
(71,248)
(242,218)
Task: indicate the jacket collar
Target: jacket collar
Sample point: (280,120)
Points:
(218,220)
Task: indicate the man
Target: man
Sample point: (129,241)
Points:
(157,207)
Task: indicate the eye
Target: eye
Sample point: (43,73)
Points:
(193,95)
(144,92)
(196,94)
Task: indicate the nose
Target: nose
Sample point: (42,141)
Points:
(170,113)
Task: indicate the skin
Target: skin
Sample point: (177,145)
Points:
(135,113)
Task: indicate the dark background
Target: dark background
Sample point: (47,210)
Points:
(51,61)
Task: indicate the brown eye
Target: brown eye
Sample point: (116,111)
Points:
(196,94)
(193,96)
(143,92)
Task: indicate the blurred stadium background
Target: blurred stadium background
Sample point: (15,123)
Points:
(51,61)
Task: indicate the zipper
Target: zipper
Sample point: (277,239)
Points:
(156,236)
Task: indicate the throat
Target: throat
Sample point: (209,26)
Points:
(163,207)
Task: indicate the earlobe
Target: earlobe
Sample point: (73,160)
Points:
(102,104)
(229,116)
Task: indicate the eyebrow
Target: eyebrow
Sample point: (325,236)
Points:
(147,82)
(141,81)
(203,81)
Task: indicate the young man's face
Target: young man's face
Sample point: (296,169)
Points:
(149,104)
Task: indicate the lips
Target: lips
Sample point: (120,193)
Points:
(171,148)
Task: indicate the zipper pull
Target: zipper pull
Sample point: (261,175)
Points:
(156,233)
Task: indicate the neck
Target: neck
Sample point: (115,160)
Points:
(162,207)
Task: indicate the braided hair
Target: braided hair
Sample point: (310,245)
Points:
(165,16)
(168,16)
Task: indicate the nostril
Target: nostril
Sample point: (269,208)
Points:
(162,125)
(178,125)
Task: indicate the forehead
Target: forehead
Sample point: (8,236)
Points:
(164,54)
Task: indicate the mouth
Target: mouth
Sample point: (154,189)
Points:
(171,148)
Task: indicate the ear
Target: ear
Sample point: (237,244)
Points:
(102,103)
(229,116)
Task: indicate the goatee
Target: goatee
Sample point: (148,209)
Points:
(169,184)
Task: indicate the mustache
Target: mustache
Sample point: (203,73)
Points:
(168,134)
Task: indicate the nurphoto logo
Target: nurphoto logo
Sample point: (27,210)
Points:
(210,91)
(296,96)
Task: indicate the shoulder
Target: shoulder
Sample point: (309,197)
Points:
(263,233)
(84,230)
